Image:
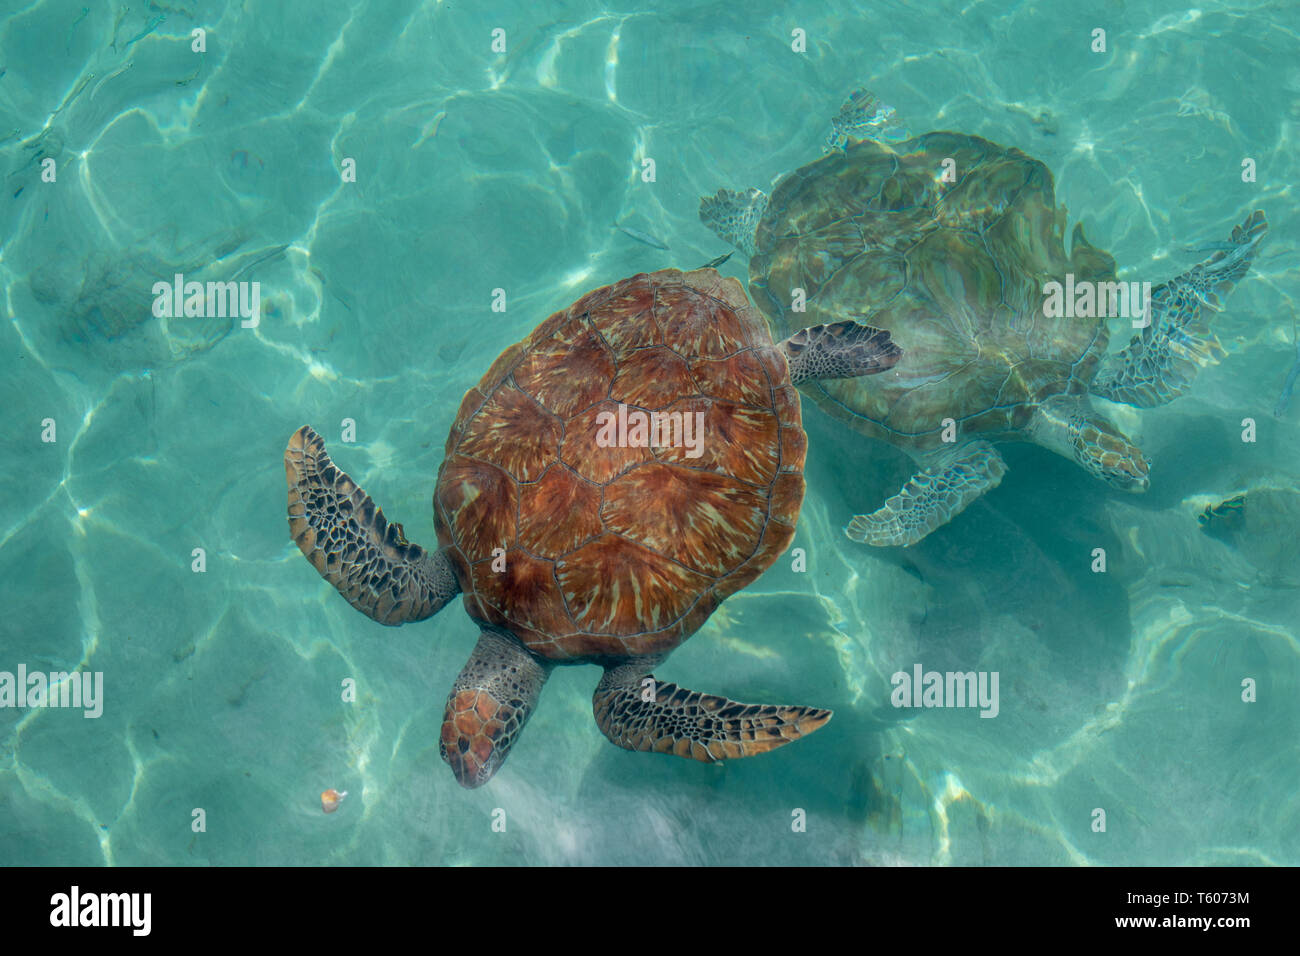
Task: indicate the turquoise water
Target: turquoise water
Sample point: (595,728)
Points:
(479,170)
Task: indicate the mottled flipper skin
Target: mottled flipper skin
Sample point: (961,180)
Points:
(839,350)
(734,216)
(488,706)
(931,498)
(347,539)
(1160,362)
(686,723)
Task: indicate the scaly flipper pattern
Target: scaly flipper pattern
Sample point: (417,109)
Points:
(1162,360)
(687,723)
(863,116)
(734,216)
(932,498)
(839,350)
(347,539)
(488,706)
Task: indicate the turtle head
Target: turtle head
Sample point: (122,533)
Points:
(488,706)
(1068,425)
(474,740)
(1105,453)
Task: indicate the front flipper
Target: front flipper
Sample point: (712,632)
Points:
(1161,361)
(734,216)
(839,350)
(690,724)
(863,117)
(488,706)
(347,539)
(932,498)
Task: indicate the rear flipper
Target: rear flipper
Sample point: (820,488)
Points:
(1162,360)
(691,724)
(932,498)
(839,350)
(347,539)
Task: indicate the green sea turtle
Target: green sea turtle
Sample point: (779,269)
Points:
(951,243)
(607,484)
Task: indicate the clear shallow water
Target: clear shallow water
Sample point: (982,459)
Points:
(479,171)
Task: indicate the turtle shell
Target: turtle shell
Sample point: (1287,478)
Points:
(616,550)
(955,271)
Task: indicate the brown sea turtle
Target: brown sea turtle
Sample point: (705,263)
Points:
(607,484)
(952,244)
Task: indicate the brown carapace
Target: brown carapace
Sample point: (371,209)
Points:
(625,550)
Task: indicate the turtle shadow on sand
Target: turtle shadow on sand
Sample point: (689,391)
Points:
(101,304)
(89,257)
